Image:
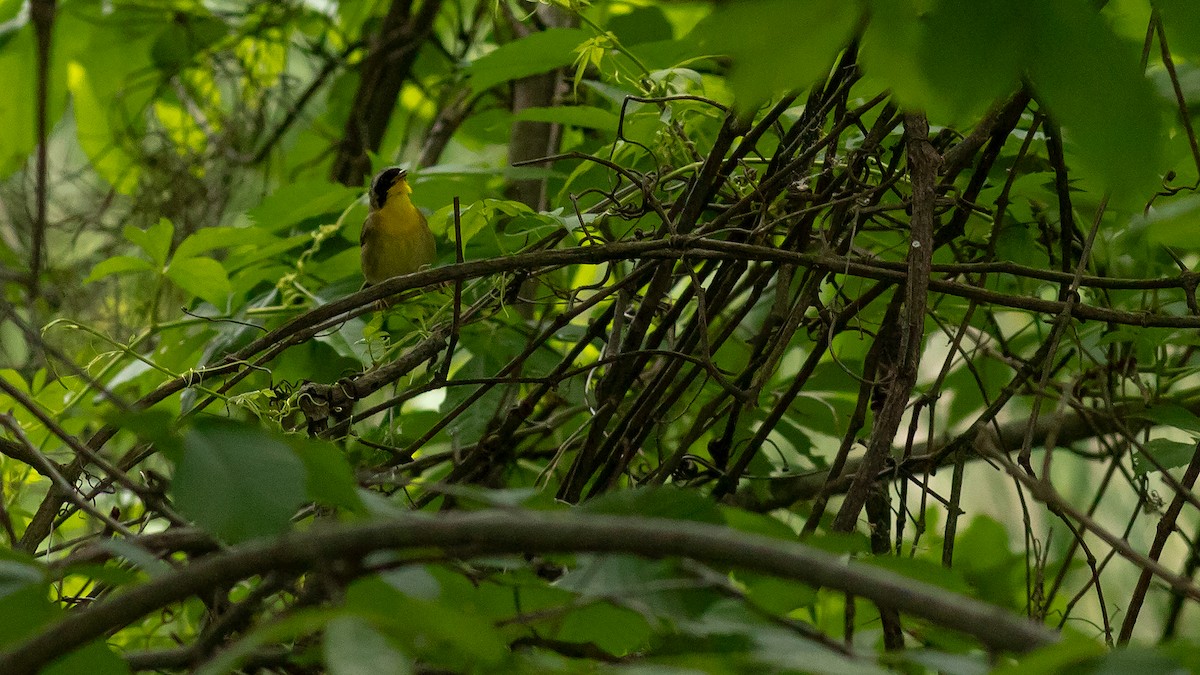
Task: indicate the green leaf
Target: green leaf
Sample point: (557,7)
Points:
(972,54)
(1180,18)
(121,264)
(1138,659)
(24,610)
(490,352)
(424,627)
(95,659)
(211,238)
(155,240)
(616,630)
(533,54)
(922,570)
(236,481)
(138,556)
(934,661)
(1168,454)
(17,73)
(983,557)
(1092,84)
(17,575)
(642,24)
(354,647)
(587,117)
(1065,657)
(156,425)
(662,502)
(202,277)
(891,48)
(1171,415)
(94,127)
(1174,222)
(777,45)
(292,204)
(779,596)
(415,581)
(287,628)
(9,9)
(330,478)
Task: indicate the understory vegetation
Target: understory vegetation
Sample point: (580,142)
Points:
(789,335)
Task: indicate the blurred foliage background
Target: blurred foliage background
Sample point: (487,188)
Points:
(910,281)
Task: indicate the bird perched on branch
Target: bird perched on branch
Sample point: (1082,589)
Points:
(395,238)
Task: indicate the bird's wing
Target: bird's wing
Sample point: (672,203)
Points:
(369,230)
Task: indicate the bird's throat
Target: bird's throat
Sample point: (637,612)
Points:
(400,215)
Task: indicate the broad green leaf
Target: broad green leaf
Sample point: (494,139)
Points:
(95,125)
(776,595)
(9,9)
(653,586)
(237,481)
(1173,222)
(891,50)
(138,556)
(337,266)
(17,71)
(1071,655)
(354,647)
(423,627)
(642,24)
(757,523)
(1180,18)
(250,255)
(1092,84)
(490,352)
(120,264)
(948,664)
(14,348)
(211,238)
(16,575)
(778,45)
(1138,659)
(289,627)
(661,502)
(95,659)
(330,478)
(732,626)
(616,630)
(531,55)
(1172,415)
(983,557)
(1169,454)
(415,581)
(289,205)
(23,610)
(922,570)
(154,240)
(973,53)
(587,117)
(202,277)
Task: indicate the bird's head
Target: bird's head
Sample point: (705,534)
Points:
(383,183)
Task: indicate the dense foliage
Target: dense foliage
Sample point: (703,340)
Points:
(795,335)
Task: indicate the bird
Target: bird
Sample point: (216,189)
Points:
(395,237)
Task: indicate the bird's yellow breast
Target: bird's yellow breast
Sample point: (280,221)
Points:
(396,239)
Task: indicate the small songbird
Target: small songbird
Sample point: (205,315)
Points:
(395,237)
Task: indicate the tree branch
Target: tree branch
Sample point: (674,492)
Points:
(495,532)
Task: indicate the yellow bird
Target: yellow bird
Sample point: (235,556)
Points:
(395,237)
